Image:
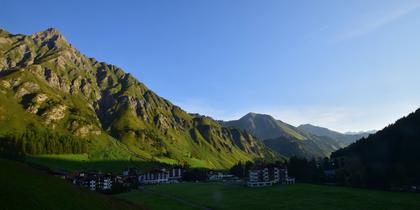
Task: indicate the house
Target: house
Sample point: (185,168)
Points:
(263,176)
(105,183)
(329,173)
(260,176)
(288,180)
(154,177)
(91,184)
(284,177)
(60,173)
(130,172)
(88,182)
(161,176)
(175,175)
(93,180)
(217,176)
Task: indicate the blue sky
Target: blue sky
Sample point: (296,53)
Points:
(347,65)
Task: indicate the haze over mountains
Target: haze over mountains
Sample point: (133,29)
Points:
(342,138)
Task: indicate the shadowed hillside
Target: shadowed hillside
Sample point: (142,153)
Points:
(23,187)
(388,158)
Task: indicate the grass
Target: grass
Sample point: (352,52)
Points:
(299,196)
(23,187)
(153,201)
(74,162)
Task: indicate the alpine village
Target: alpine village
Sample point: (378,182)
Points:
(80,133)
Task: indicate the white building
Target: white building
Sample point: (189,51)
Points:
(162,176)
(219,176)
(263,176)
(105,183)
(267,176)
(92,185)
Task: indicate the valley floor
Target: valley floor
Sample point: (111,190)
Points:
(299,196)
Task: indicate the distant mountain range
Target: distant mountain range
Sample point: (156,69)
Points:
(304,141)
(46,84)
(343,139)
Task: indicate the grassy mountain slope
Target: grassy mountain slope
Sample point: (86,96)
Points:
(46,82)
(265,126)
(284,138)
(343,138)
(387,158)
(26,188)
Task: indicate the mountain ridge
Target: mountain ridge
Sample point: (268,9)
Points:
(344,139)
(52,85)
(285,138)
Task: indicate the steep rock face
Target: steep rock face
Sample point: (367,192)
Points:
(58,87)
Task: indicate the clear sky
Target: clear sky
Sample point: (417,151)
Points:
(347,65)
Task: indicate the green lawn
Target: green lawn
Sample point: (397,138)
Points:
(299,196)
(22,187)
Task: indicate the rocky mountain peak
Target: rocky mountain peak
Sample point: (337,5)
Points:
(3,32)
(52,37)
(50,32)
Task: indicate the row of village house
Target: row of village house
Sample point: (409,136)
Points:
(96,181)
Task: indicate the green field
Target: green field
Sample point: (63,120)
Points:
(299,196)
(23,187)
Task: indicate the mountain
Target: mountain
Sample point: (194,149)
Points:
(47,85)
(265,126)
(343,138)
(389,158)
(284,138)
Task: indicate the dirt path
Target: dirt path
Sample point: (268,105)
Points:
(176,198)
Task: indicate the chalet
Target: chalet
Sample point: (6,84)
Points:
(93,180)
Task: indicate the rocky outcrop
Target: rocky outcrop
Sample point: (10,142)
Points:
(54,113)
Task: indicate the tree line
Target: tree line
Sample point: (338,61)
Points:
(40,141)
(388,159)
